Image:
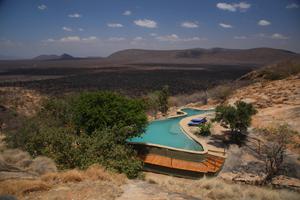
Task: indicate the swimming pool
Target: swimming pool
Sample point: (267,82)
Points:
(168,133)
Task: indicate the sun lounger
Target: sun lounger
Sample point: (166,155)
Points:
(199,120)
(194,123)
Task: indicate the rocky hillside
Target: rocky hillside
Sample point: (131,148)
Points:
(278,101)
(275,92)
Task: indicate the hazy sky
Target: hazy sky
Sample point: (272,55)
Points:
(99,27)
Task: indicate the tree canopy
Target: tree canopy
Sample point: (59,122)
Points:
(237,117)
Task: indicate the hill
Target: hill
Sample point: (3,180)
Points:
(256,56)
(54,57)
(279,70)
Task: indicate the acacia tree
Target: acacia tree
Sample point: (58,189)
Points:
(273,150)
(237,117)
(153,103)
(163,100)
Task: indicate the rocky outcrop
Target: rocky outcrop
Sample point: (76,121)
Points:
(17,164)
(277,101)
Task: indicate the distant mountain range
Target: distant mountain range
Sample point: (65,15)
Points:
(198,56)
(54,57)
(256,56)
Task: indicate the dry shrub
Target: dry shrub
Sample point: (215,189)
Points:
(42,165)
(21,187)
(71,176)
(63,177)
(220,92)
(93,173)
(52,178)
(215,188)
(181,100)
(97,172)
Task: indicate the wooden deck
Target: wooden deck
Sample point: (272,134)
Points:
(211,164)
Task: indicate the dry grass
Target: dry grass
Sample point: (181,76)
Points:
(215,188)
(94,173)
(64,177)
(22,187)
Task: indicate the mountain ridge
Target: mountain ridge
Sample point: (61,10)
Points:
(256,56)
(63,56)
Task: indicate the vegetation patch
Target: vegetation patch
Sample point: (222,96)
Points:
(237,118)
(80,130)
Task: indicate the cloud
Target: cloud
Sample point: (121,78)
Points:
(192,39)
(153,34)
(176,38)
(70,39)
(275,36)
(292,5)
(147,23)
(114,25)
(127,12)
(226,6)
(225,25)
(75,15)
(50,40)
(263,22)
(91,38)
(42,7)
(138,38)
(169,38)
(279,36)
(66,28)
(240,37)
(242,6)
(116,39)
(80,29)
(189,24)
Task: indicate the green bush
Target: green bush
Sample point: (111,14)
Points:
(99,110)
(204,129)
(237,118)
(85,129)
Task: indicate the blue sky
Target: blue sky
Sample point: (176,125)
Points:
(101,27)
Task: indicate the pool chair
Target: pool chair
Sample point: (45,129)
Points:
(194,123)
(199,120)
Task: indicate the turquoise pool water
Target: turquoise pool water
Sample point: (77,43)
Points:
(168,133)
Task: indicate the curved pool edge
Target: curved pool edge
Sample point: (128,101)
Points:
(189,135)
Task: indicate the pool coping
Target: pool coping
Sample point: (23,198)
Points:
(188,134)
